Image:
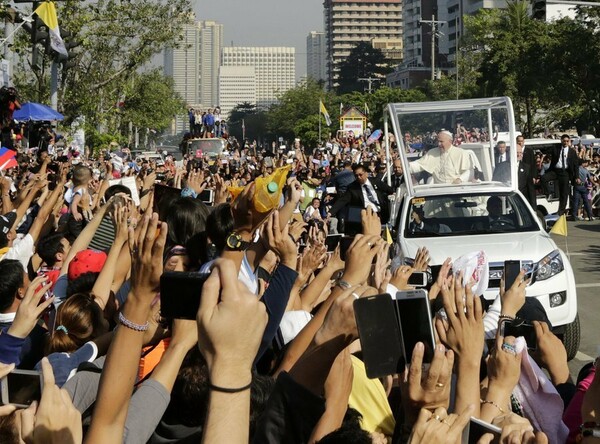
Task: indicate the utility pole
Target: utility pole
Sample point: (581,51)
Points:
(370,81)
(434,30)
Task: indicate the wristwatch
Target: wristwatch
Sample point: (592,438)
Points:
(236,243)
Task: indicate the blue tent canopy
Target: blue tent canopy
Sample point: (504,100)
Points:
(36,112)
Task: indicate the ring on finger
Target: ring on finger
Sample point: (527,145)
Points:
(509,348)
(356,295)
(437,417)
(439,384)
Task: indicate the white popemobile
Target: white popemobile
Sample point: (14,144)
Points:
(471,211)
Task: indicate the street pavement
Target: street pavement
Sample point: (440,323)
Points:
(582,244)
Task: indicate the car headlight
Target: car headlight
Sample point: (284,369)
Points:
(549,266)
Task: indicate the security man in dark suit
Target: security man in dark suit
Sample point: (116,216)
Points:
(564,165)
(524,177)
(365,192)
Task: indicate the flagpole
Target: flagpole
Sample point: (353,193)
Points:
(319,123)
(19,26)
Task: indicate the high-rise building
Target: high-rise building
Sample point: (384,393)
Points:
(275,69)
(349,22)
(211,43)
(182,63)
(237,84)
(316,63)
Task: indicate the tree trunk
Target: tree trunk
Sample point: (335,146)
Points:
(529,117)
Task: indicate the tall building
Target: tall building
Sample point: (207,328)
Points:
(182,63)
(275,69)
(237,84)
(211,43)
(316,63)
(348,22)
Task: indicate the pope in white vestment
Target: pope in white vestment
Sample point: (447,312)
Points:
(446,164)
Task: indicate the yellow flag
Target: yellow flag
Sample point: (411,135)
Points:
(388,236)
(560,226)
(47,13)
(323,111)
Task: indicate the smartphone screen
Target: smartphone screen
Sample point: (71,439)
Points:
(418,279)
(379,335)
(511,271)
(345,243)
(180,294)
(22,387)
(476,429)
(332,241)
(207,196)
(414,316)
(519,327)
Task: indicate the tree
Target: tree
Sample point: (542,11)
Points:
(573,72)
(151,102)
(511,49)
(364,61)
(253,119)
(297,104)
(117,40)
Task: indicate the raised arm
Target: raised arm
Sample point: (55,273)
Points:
(103,284)
(120,369)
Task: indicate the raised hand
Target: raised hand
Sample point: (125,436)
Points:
(360,253)
(147,257)
(226,304)
(31,309)
(427,389)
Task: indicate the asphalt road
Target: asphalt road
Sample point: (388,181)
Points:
(582,244)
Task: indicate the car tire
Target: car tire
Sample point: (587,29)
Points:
(571,338)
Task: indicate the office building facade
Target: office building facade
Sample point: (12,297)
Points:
(211,44)
(275,69)
(237,85)
(316,62)
(348,23)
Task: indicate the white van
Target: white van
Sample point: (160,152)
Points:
(458,221)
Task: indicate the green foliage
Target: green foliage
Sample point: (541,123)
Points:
(98,142)
(364,61)
(255,122)
(116,39)
(151,102)
(295,105)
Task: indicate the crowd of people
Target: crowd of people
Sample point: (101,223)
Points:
(272,353)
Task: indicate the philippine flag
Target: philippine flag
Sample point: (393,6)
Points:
(7,159)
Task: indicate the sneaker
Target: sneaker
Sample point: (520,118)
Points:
(591,219)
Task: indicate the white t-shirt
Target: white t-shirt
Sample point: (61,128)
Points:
(246,275)
(22,250)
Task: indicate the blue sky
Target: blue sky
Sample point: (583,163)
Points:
(265,22)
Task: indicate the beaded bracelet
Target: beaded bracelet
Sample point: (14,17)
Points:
(494,404)
(132,325)
(512,318)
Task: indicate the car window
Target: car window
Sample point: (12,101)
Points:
(464,214)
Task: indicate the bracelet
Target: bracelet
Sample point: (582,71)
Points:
(216,388)
(494,404)
(512,318)
(132,325)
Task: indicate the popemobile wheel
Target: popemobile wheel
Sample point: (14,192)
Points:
(572,337)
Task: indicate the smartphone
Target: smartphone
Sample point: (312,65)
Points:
(511,271)
(180,294)
(414,316)
(379,335)
(21,387)
(332,241)
(207,196)
(476,428)
(345,243)
(418,279)
(519,327)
